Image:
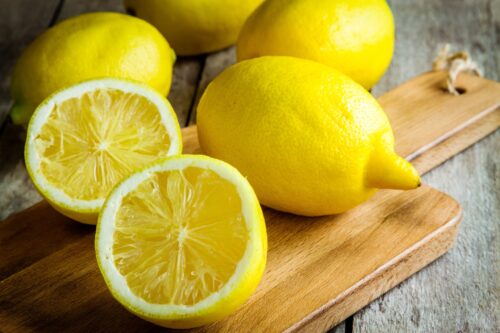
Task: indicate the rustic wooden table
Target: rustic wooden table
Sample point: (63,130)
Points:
(460,292)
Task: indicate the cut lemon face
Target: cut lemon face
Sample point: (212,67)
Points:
(84,139)
(182,243)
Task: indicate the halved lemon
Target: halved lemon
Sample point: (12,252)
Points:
(182,243)
(84,139)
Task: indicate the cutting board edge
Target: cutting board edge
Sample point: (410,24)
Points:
(394,271)
(461,129)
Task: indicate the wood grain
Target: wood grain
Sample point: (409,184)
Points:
(422,27)
(214,64)
(312,280)
(458,142)
(15,185)
(77,7)
(24,242)
(20,22)
(418,122)
(311,268)
(16,190)
(457,294)
(187,71)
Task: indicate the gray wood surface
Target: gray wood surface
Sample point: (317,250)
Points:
(459,292)
(422,27)
(76,7)
(20,22)
(213,65)
(25,20)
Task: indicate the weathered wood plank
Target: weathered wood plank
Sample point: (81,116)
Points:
(460,292)
(184,84)
(15,185)
(422,27)
(16,190)
(77,7)
(310,263)
(18,255)
(340,328)
(214,64)
(20,22)
(495,17)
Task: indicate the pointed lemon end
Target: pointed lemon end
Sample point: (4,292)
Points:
(388,170)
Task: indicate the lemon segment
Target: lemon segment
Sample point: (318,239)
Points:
(171,233)
(182,243)
(85,139)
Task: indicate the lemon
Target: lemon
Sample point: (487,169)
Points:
(355,37)
(87,47)
(84,139)
(195,26)
(183,242)
(310,140)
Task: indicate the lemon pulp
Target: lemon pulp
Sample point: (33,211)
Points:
(91,142)
(179,236)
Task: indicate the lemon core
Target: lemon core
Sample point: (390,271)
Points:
(172,241)
(89,143)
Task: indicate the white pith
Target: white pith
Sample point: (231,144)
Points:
(105,230)
(43,112)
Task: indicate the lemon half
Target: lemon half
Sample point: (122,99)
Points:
(182,243)
(84,139)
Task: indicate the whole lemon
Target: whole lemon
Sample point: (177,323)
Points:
(195,26)
(310,140)
(86,47)
(355,37)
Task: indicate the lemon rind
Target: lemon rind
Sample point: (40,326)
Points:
(251,264)
(56,196)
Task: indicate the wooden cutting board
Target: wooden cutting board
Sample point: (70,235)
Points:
(319,271)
